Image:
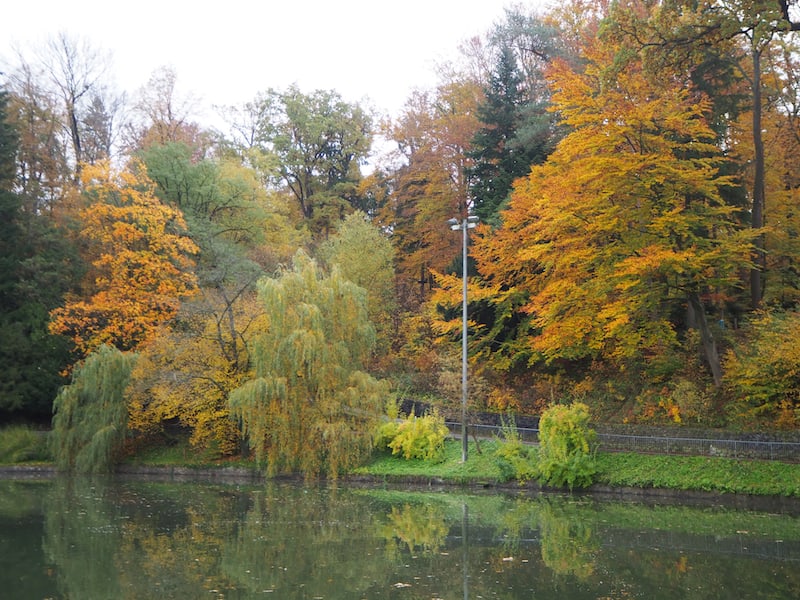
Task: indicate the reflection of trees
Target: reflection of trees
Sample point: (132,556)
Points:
(419,527)
(148,540)
(24,571)
(82,537)
(115,541)
(305,543)
(567,543)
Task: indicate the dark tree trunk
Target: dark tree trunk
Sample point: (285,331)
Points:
(697,318)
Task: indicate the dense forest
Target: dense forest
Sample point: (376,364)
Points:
(633,166)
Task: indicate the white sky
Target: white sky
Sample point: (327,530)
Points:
(226,52)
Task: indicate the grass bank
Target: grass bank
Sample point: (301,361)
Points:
(23,446)
(619,470)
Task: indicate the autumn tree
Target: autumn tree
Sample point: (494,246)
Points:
(680,34)
(141,263)
(163,115)
(782,186)
(42,156)
(310,407)
(242,230)
(429,185)
(187,370)
(73,75)
(625,224)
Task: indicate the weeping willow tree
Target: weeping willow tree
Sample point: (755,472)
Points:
(91,415)
(310,407)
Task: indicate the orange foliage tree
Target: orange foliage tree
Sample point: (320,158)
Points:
(140,262)
(625,226)
(432,135)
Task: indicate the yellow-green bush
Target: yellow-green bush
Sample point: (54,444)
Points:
(514,459)
(414,437)
(566,446)
(763,372)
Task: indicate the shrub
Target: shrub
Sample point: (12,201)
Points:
(19,443)
(763,371)
(385,433)
(419,437)
(514,459)
(566,451)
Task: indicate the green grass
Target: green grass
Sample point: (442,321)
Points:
(699,473)
(479,467)
(182,454)
(692,473)
(19,444)
(23,445)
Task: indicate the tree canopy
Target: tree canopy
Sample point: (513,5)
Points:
(140,258)
(310,407)
(633,165)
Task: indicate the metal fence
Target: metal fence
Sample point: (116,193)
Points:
(732,448)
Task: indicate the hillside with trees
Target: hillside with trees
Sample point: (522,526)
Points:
(270,286)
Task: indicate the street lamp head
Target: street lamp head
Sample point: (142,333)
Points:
(454,224)
(473,219)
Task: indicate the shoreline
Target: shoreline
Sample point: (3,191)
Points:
(248,476)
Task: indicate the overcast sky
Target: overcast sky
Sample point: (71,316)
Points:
(226,52)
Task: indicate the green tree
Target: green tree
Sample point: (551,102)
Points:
(516,130)
(310,407)
(365,256)
(35,266)
(314,145)
(241,230)
(91,414)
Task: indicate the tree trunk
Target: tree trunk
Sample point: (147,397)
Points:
(697,318)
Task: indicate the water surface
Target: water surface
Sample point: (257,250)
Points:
(102,539)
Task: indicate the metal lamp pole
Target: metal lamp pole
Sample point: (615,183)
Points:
(464,225)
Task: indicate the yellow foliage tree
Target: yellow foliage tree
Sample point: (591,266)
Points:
(186,372)
(140,262)
(625,223)
(432,135)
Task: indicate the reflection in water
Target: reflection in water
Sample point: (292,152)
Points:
(417,527)
(567,543)
(107,539)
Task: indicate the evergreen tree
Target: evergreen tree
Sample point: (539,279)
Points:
(30,284)
(517,133)
(10,204)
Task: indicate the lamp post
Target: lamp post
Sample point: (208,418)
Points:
(464,225)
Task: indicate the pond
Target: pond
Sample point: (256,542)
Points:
(118,538)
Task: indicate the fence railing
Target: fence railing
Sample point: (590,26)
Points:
(732,448)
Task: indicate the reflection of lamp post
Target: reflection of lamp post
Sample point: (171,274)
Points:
(464,225)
